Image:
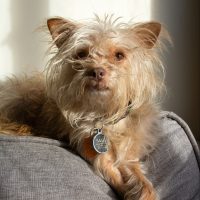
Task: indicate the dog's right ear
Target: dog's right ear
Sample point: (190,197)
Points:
(148,33)
(60,29)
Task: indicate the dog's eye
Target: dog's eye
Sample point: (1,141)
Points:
(82,54)
(119,55)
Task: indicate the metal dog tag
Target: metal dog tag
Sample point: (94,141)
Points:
(99,141)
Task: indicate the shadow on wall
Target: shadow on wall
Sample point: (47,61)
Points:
(182,18)
(26,16)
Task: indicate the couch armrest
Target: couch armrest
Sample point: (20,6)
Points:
(39,168)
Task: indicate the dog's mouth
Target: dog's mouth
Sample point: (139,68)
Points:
(97,86)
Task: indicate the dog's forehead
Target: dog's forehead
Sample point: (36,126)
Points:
(97,31)
(103,34)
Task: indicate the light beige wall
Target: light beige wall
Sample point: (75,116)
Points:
(182,18)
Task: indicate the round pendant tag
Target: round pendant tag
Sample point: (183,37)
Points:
(100,142)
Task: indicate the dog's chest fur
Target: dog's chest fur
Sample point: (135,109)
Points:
(131,138)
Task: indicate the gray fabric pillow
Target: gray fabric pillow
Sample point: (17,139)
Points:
(43,169)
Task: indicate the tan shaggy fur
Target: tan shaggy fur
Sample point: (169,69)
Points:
(99,70)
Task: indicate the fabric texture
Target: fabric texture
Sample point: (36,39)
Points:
(33,168)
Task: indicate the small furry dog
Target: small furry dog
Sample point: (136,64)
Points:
(100,94)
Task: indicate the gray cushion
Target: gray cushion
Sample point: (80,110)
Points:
(174,166)
(40,168)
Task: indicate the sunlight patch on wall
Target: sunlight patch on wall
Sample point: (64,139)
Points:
(128,9)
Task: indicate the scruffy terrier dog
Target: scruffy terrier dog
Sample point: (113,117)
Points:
(100,94)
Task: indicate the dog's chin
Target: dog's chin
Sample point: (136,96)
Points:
(98,96)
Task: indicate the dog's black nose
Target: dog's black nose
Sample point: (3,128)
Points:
(97,73)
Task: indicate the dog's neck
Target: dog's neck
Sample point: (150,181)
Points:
(125,114)
(116,120)
(91,118)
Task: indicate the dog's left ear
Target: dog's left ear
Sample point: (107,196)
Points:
(147,33)
(60,29)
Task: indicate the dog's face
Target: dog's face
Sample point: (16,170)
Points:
(101,66)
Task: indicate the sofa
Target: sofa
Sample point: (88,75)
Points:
(33,168)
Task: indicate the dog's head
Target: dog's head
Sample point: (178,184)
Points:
(103,65)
